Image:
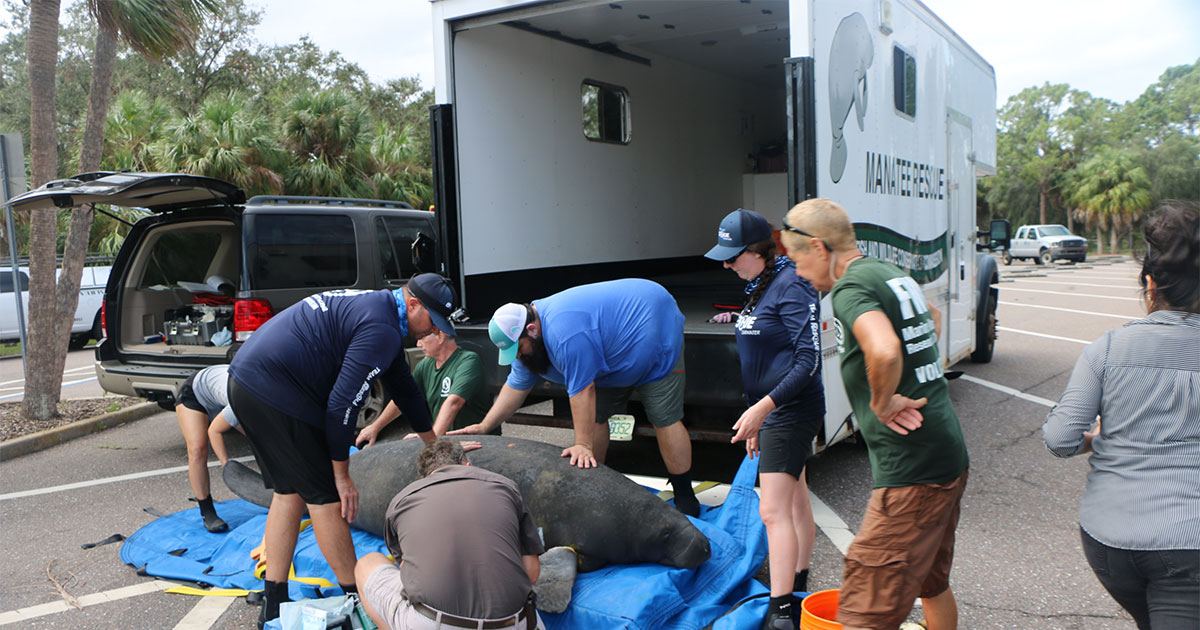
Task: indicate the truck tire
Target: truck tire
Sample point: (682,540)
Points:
(985,313)
(78,341)
(1007,258)
(375,403)
(1045,257)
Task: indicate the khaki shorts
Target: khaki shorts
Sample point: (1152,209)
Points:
(903,551)
(663,399)
(384,591)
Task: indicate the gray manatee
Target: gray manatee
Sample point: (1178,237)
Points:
(850,54)
(598,512)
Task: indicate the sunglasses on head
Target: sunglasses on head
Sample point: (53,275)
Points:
(797,230)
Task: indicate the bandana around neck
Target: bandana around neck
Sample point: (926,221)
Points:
(780,263)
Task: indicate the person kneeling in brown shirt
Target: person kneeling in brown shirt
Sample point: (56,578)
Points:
(467,549)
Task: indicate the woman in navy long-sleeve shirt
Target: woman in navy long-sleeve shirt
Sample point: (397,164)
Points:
(778,337)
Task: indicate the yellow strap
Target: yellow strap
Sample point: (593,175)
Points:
(216,592)
(667,495)
(260,572)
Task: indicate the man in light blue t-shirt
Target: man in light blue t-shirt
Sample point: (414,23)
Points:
(602,341)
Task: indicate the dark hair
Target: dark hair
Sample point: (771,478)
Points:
(766,249)
(1173,257)
(438,453)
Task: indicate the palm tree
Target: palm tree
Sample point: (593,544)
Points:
(155,28)
(226,140)
(393,164)
(135,122)
(1113,188)
(324,131)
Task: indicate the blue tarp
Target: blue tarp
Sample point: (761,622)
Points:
(634,597)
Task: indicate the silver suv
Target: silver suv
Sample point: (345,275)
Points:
(196,278)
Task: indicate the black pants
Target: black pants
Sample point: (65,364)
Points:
(1160,589)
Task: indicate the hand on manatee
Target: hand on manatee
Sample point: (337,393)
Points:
(471,429)
(580,455)
(470,445)
(368,434)
(412,436)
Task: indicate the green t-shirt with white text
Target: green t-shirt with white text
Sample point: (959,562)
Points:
(935,452)
(462,375)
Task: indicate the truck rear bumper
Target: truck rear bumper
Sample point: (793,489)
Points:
(147,381)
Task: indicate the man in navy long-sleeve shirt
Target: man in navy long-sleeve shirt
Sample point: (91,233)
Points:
(297,386)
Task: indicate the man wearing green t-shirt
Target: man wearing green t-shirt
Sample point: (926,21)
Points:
(887,339)
(452,380)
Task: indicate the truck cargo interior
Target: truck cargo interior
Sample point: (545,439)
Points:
(675,110)
(161,314)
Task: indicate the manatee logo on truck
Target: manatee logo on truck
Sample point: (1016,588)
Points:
(850,54)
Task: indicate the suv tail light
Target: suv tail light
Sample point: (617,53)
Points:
(103,319)
(248,315)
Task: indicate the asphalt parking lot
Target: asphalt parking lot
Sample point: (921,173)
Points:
(1018,561)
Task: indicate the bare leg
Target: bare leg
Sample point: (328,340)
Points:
(802,520)
(279,537)
(941,612)
(333,537)
(776,511)
(600,441)
(676,447)
(194,426)
(366,565)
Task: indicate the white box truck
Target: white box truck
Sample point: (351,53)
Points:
(581,140)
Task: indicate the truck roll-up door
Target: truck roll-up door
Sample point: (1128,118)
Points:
(801,129)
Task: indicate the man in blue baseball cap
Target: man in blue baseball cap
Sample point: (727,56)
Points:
(297,385)
(603,341)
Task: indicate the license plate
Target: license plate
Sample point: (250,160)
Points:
(620,428)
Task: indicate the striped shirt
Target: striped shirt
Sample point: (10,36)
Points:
(1143,380)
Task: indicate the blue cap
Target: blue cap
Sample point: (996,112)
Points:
(739,229)
(437,296)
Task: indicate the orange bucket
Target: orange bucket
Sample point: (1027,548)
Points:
(819,610)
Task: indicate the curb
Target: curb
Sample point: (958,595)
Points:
(35,442)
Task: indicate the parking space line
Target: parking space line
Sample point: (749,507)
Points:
(205,613)
(65,372)
(1037,334)
(1008,390)
(1070,310)
(1077,284)
(41,610)
(107,480)
(1069,294)
(22,392)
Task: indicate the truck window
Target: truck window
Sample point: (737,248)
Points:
(904,74)
(6,282)
(605,112)
(294,250)
(396,236)
(182,254)
(1021,233)
(1055,230)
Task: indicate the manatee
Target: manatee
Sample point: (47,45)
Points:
(599,513)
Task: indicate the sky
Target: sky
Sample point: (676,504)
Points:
(1111,48)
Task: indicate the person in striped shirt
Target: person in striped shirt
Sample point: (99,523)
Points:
(1139,518)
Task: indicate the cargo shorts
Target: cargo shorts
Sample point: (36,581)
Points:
(903,551)
(662,399)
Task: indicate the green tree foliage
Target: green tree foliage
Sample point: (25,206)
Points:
(1112,189)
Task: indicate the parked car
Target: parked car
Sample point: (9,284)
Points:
(1045,244)
(197,277)
(86,325)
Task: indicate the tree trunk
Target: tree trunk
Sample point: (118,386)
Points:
(1099,240)
(1070,221)
(1112,234)
(103,60)
(1042,207)
(43,380)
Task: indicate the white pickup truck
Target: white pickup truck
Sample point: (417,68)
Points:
(86,325)
(1045,244)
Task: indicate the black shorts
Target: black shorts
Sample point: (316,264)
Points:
(187,395)
(292,455)
(785,449)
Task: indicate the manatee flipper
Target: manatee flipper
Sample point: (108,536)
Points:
(556,579)
(246,483)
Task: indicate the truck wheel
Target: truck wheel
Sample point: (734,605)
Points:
(374,405)
(985,330)
(79,341)
(1007,258)
(1045,257)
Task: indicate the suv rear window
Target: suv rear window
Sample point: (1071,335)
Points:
(296,250)
(183,254)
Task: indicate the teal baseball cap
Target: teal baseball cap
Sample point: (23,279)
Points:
(505,328)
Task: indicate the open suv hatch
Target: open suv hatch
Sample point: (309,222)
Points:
(193,280)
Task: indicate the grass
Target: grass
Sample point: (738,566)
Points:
(9,349)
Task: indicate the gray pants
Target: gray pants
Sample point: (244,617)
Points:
(384,591)
(1160,589)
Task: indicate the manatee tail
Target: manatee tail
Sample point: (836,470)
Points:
(246,483)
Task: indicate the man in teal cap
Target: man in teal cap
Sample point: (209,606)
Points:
(602,341)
